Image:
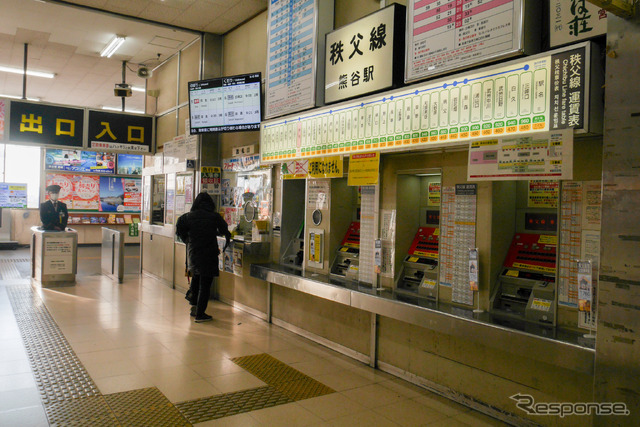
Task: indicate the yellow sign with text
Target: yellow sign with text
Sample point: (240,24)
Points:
(325,167)
(364,169)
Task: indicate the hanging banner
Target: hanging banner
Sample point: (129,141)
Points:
(543,194)
(546,155)
(210,180)
(42,124)
(364,169)
(120,132)
(574,20)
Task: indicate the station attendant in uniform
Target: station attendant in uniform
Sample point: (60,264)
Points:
(53,213)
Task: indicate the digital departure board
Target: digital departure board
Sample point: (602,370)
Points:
(226,104)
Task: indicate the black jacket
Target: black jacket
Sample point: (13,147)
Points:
(54,218)
(199,230)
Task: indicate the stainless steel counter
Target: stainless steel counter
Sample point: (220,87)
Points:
(556,346)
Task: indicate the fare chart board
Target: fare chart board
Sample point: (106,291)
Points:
(291,56)
(518,97)
(445,35)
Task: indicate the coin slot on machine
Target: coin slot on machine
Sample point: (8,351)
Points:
(526,284)
(418,196)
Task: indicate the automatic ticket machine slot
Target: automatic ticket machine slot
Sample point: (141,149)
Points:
(419,273)
(346,262)
(294,254)
(527,283)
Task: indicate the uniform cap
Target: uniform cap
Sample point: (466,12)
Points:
(53,188)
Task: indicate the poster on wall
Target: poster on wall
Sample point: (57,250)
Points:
(448,35)
(132,194)
(80,161)
(65,181)
(210,180)
(130,164)
(434,194)
(86,193)
(13,195)
(119,194)
(543,194)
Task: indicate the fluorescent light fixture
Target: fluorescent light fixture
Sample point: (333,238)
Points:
(427,174)
(19,97)
(138,89)
(29,72)
(119,110)
(112,46)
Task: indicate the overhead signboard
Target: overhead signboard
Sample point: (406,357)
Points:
(551,91)
(43,124)
(365,56)
(295,30)
(574,20)
(120,132)
(450,35)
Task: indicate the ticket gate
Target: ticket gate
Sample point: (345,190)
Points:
(526,285)
(419,274)
(346,261)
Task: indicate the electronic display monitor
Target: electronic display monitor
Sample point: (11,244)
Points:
(225,104)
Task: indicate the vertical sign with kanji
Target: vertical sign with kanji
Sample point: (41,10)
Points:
(42,124)
(362,57)
(574,20)
(120,132)
(568,83)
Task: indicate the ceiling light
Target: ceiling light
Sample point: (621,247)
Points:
(29,72)
(120,110)
(138,89)
(112,46)
(19,97)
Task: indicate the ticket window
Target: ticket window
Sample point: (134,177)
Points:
(345,229)
(418,196)
(525,289)
(157,199)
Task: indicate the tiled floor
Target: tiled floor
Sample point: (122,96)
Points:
(139,334)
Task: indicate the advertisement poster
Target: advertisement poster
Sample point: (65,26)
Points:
(13,195)
(86,194)
(80,161)
(473,269)
(132,194)
(188,189)
(364,169)
(111,194)
(65,181)
(585,286)
(210,177)
(238,249)
(434,194)
(130,164)
(543,194)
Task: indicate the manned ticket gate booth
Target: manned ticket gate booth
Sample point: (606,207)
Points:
(419,274)
(346,261)
(526,286)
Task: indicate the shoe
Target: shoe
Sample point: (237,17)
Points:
(193,311)
(203,318)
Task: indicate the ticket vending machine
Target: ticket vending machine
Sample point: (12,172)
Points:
(346,262)
(419,274)
(526,285)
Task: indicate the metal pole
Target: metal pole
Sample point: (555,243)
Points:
(24,69)
(124,79)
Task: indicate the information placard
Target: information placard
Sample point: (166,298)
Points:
(446,35)
(13,195)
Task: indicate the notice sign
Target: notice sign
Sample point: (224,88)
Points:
(326,167)
(545,155)
(13,195)
(543,194)
(364,169)
(360,56)
(448,35)
(585,286)
(434,194)
(210,180)
(58,255)
(295,169)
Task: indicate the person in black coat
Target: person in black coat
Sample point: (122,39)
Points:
(53,213)
(199,229)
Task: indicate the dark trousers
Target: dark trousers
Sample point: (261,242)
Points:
(200,291)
